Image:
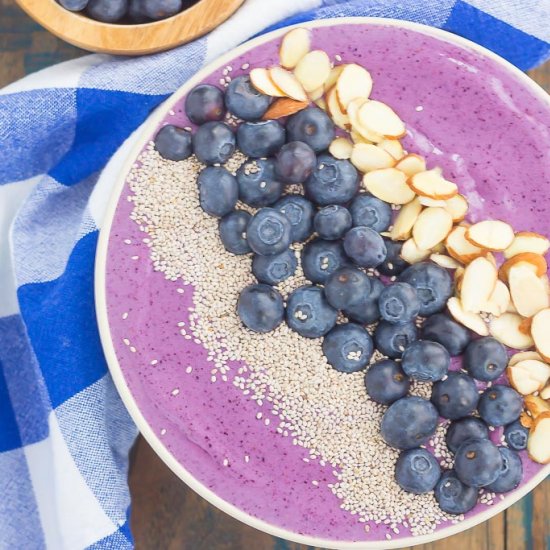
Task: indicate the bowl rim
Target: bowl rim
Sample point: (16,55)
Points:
(85,32)
(103,319)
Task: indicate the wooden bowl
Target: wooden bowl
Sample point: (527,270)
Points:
(158,36)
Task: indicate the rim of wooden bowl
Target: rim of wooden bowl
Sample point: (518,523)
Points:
(157,36)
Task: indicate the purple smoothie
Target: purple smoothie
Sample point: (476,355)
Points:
(479,122)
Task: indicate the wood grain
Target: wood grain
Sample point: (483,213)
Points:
(96,36)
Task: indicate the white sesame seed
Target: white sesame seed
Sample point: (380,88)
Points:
(133,349)
(154,362)
(246,458)
(126,341)
(225,462)
(163,431)
(125,315)
(419,108)
(315,482)
(175,391)
(135,257)
(338,57)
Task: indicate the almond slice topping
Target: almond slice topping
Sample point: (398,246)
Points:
(405,220)
(498,301)
(317,93)
(457,206)
(261,80)
(445,261)
(527,291)
(393,147)
(528,376)
(294,46)
(313,70)
(461,249)
(545,393)
(333,108)
(523,356)
(287,83)
(506,330)
(432,227)
(538,443)
(536,405)
(431,183)
(458,277)
(526,241)
(367,157)
(540,331)
(411,164)
(353,112)
(491,234)
(535,262)
(335,72)
(341,148)
(412,254)
(354,81)
(426,201)
(470,320)
(381,119)
(389,185)
(478,284)
(284,106)
(525,419)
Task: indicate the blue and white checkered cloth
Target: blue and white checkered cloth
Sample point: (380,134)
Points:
(64,433)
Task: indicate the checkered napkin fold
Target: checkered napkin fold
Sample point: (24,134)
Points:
(64,433)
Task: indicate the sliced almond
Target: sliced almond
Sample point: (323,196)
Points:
(431,183)
(523,356)
(333,108)
(354,81)
(457,206)
(498,301)
(491,257)
(439,248)
(545,393)
(284,106)
(411,164)
(525,325)
(335,72)
(380,119)
(478,284)
(538,442)
(535,262)
(491,234)
(405,220)
(393,147)
(460,249)
(367,157)
(432,227)
(353,112)
(426,201)
(545,282)
(287,83)
(412,254)
(527,291)
(389,185)
(445,261)
(317,93)
(526,241)
(470,320)
(321,103)
(294,46)
(525,419)
(528,376)
(540,331)
(261,80)
(506,330)
(313,70)
(458,278)
(536,405)
(341,148)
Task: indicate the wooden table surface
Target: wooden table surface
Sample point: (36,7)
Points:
(166,514)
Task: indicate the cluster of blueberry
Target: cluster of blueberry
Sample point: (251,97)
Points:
(127,11)
(341,228)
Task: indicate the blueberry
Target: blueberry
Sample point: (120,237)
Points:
(399,303)
(348,348)
(456,396)
(392,340)
(218,191)
(461,430)
(213,143)
(515,434)
(347,287)
(408,423)
(365,246)
(136,11)
(161,9)
(450,334)
(371,212)
(500,405)
(260,139)
(274,269)
(332,181)
(308,312)
(453,496)
(108,11)
(386,382)
(232,228)
(174,143)
(244,101)
(295,162)
(74,5)
(204,103)
(478,462)
(426,361)
(312,126)
(268,232)
(332,222)
(417,471)
(258,184)
(366,310)
(433,285)
(510,474)
(260,308)
(485,359)
(320,259)
(394,264)
(299,212)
